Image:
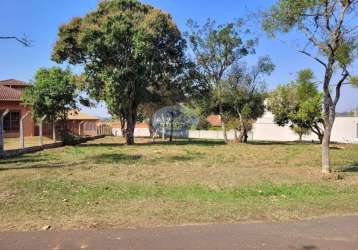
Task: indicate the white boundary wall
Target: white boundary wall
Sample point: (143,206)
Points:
(345,130)
(138,132)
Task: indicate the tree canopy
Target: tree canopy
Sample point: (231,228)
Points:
(53,94)
(298,104)
(130,52)
(216,49)
(244,95)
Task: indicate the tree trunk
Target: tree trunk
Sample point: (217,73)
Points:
(243,131)
(171,126)
(320,138)
(223,123)
(123,127)
(328,116)
(151,128)
(131,120)
(235,135)
(224,131)
(122,121)
(318,131)
(326,168)
(130,133)
(243,137)
(153,137)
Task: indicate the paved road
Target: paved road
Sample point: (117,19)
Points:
(329,233)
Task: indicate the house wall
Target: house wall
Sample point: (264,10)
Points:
(32,129)
(88,127)
(29,125)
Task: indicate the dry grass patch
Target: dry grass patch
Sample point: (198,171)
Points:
(14,143)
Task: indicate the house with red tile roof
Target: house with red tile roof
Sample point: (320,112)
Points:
(10,98)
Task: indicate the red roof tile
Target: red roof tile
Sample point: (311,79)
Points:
(13,82)
(214,120)
(9,94)
(78,115)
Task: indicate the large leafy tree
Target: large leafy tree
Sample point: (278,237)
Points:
(244,95)
(330,30)
(129,51)
(53,94)
(299,104)
(217,48)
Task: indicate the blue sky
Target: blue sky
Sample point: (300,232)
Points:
(40,19)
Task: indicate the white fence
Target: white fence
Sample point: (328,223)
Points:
(345,130)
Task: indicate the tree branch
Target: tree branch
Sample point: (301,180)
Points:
(337,34)
(24,41)
(311,37)
(327,14)
(345,74)
(316,130)
(315,58)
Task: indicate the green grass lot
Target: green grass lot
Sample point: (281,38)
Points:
(104,184)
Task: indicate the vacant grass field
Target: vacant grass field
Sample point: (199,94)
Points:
(104,184)
(14,143)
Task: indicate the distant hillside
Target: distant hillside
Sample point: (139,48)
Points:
(354,112)
(105,118)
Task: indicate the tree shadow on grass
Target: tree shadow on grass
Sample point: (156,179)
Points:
(183,158)
(336,148)
(351,169)
(166,143)
(23,160)
(286,143)
(309,247)
(44,165)
(191,142)
(116,158)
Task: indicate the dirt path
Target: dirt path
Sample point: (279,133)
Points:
(328,233)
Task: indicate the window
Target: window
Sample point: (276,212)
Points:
(89,126)
(12,121)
